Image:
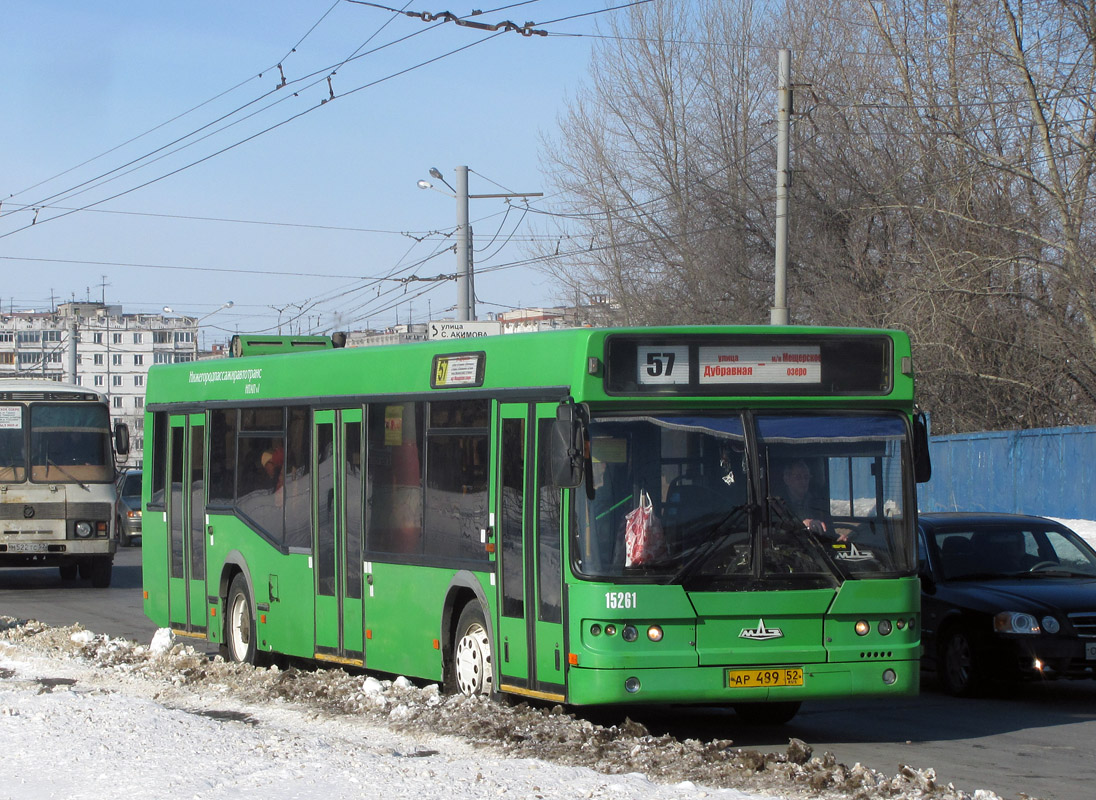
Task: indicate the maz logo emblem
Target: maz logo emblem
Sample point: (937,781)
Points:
(852,554)
(761,633)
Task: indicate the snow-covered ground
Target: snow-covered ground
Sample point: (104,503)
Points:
(86,716)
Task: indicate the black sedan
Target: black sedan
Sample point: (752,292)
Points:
(1005,597)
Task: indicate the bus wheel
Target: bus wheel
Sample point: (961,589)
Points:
(767,713)
(68,571)
(240,623)
(101,568)
(472,664)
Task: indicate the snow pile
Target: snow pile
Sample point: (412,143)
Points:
(314,732)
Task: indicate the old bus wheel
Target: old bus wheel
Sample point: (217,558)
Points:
(240,623)
(472,665)
(68,571)
(100,570)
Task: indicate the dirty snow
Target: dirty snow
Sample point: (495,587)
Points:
(86,716)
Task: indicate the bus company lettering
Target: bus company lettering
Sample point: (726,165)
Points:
(227,376)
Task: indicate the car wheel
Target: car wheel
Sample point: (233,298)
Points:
(473,668)
(959,670)
(767,713)
(123,539)
(239,623)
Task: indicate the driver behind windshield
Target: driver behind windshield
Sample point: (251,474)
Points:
(801,502)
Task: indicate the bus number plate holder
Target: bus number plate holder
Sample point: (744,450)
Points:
(764,677)
(27,547)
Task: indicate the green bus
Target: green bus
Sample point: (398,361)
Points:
(590,516)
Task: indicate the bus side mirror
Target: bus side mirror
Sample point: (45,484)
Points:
(922,463)
(568,456)
(121,438)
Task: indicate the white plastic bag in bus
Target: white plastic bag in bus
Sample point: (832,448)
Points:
(644,543)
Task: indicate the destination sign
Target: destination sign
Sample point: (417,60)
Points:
(749,364)
(764,364)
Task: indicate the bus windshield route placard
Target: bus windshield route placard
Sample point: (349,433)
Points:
(457,370)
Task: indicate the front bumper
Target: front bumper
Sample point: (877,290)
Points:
(708,685)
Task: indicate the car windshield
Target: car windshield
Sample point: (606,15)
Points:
(131,485)
(1006,549)
(818,498)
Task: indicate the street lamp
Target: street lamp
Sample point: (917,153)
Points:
(221,307)
(466,294)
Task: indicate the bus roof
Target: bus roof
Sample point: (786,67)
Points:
(45,389)
(590,364)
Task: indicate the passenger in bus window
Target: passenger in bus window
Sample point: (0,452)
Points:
(273,461)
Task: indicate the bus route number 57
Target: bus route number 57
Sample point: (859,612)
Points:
(664,365)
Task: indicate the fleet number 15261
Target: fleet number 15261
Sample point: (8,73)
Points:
(620,599)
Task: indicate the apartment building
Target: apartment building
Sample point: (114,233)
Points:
(113,352)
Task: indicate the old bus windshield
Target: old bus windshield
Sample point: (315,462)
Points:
(801,499)
(70,443)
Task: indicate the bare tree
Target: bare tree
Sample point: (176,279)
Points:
(943,159)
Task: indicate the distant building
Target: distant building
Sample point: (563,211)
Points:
(113,353)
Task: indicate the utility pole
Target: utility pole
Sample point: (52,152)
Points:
(70,353)
(779,312)
(466,291)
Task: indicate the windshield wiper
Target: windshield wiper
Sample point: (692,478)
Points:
(717,540)
(796,527)
(51,463)
(1053,573)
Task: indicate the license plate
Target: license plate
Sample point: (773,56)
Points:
(27,547)
(1090,651)
(771,676)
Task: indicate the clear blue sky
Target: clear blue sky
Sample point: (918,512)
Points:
(82,80)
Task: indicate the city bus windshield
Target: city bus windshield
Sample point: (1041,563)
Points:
(70,443)
(802,499)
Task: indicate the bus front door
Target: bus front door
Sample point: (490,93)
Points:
(186,526)
(337,547)
(530,642)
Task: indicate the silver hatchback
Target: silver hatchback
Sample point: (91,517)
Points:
(128,522)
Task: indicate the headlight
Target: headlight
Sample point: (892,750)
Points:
(1050,624)
(83,530)
(1015,622)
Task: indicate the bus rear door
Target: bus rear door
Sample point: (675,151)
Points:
(337,548)
(186,525)
(530,626)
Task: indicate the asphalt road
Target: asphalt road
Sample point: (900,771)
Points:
(1038,740)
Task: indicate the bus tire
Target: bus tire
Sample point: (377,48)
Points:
(68,571)
(239,623)
(101,569)
(767,713)
(473,665)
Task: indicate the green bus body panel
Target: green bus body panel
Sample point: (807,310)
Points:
(403,614)
(403,610)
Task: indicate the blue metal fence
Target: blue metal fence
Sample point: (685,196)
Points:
(1047,471)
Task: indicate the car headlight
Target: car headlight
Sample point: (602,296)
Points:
(1015,622)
